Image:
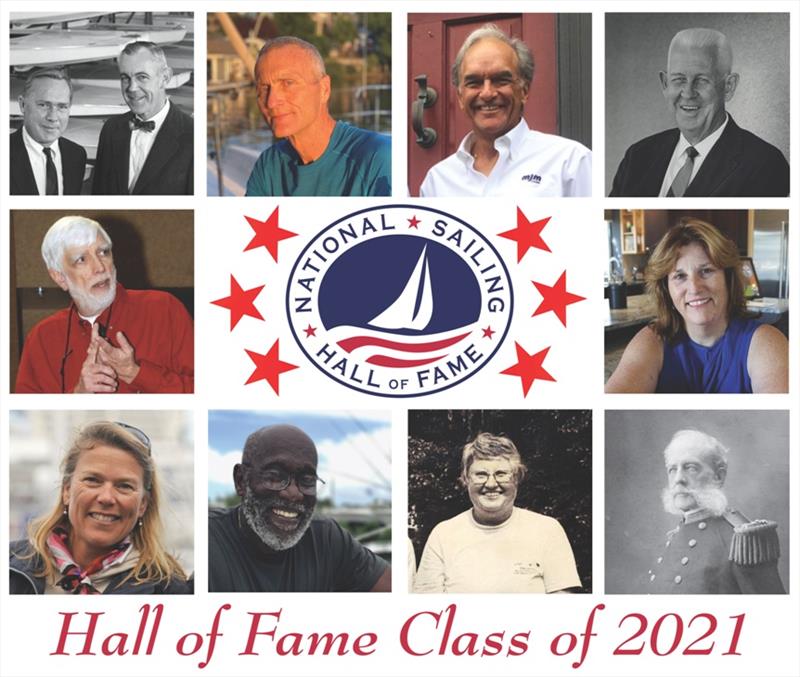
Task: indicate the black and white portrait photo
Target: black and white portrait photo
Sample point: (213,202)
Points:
(697,502)
(500,501)
(697,105)
(101,103)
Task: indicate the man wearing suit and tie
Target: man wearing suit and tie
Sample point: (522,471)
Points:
(150,150)
(708,155)
(39,165)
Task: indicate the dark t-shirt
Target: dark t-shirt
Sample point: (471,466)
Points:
(326,559)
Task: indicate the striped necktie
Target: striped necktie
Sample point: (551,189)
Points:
(681,182)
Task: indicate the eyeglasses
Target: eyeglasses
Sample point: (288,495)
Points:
(138,434)
(277,479)
(482,477)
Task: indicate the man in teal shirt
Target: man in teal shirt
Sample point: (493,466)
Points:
(318,155)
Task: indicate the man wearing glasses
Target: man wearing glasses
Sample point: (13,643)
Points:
(318,155)
(501,155)
(495,546)
(271,541)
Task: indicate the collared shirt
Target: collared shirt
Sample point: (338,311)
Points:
(530,164)
(38,162)
(703,148)
(141,143)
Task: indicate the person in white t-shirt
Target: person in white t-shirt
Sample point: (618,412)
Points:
(501,155)
(496,546)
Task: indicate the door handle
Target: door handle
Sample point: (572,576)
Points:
(426,97)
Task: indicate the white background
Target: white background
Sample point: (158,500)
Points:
(29,626)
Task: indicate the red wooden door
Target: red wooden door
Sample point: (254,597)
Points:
(434,41)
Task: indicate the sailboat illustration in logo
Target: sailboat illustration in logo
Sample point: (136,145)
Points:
(395,313)
(413,308)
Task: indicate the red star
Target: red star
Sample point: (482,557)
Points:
(527,234)
(529,368)
(268,234)
(488,332)
(240,302)
(556,298)
(413,221)
(310,331)
(269,367)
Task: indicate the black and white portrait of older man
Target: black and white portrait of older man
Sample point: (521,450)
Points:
(697,502)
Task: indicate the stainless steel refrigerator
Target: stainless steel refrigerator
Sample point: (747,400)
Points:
(771,251)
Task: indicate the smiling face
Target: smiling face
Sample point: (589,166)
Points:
(278,517)
(45,109)
(89,276)
(491,92)
(492,488)
(104,499)
(292,92)
(690,475)
(696,91)
(699,291)
(143,79)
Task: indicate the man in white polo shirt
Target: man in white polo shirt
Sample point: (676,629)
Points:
(502,155)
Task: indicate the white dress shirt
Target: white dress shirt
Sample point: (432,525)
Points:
(530,164)
(678,159)
(141,143)
(38,162)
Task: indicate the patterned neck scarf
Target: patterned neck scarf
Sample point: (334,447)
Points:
(74,579)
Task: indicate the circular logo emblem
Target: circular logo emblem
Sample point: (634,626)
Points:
(399,300)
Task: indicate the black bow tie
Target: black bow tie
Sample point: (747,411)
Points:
(144,125)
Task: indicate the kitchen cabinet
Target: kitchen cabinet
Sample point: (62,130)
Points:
(632,231)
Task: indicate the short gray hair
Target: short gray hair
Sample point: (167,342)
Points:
(154,50)
(50,74)
(69,231)
(707,446)
(287,41)
(706,39)
(524,56)
(488,447)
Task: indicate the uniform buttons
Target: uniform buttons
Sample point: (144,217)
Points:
(678,578)
(667,544)
(692,542)
(702,526)
(684,561)
(652,577)
(660,559)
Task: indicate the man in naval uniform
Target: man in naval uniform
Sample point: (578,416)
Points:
(714,549)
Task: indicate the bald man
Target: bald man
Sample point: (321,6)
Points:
(271,541)
(708,154)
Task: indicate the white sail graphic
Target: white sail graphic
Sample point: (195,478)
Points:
(404,312)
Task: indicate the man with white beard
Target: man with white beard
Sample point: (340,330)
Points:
(110,339)
(272,542)
(714,549)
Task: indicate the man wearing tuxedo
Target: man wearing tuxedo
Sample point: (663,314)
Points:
(42,161)
(708,155)
(150,150)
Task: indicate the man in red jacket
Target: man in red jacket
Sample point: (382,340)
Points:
(110,339)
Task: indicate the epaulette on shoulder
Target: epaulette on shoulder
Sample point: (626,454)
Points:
(754,541)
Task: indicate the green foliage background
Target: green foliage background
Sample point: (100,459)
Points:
(555,445)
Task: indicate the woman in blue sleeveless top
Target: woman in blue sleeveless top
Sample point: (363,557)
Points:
(702,340)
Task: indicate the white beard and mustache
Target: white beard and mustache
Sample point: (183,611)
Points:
(256,513)
(712,499)
(90,305)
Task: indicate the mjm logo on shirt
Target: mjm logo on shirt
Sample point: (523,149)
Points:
(533,178)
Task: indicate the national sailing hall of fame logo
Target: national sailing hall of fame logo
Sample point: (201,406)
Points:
(399,301)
